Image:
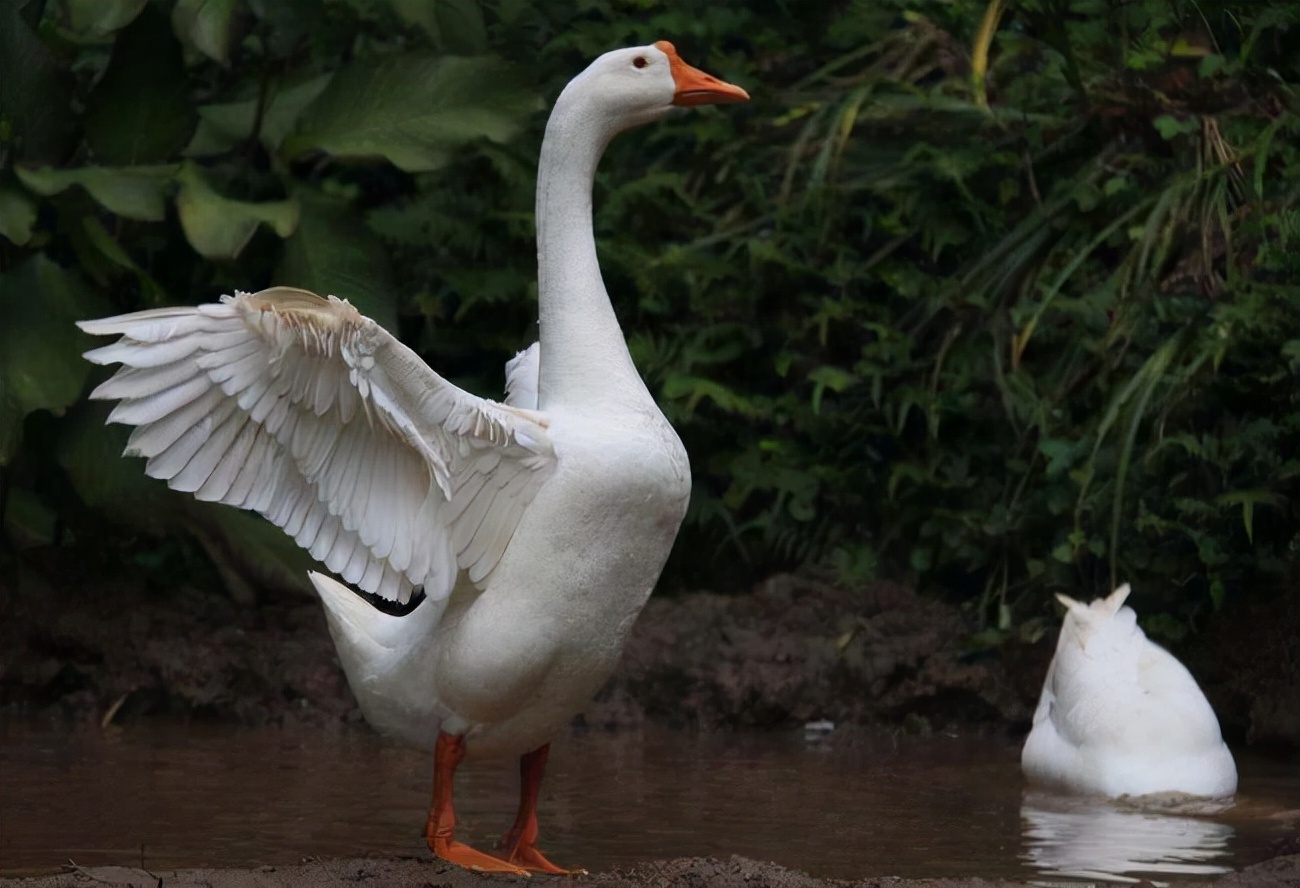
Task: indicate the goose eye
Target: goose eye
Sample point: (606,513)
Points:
(639,62)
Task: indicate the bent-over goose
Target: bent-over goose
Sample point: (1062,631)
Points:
(1119,715)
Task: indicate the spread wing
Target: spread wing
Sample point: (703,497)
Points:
(307,412)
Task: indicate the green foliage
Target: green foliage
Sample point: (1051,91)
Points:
(40,368)
(412,111)
(1002,297)
(992,316)
(153,153)
(139,109)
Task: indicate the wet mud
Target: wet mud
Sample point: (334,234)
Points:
(795,650)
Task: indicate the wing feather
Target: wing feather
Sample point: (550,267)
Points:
(142,354)
(264,488)
(132,383)
(311,525)
(355,570)
(293,515)
(356,508)
(238,375)
(151,408)
(156,437)
(486,534)
(303,410)
(521,377)
(228,469)
(339,559)
(224,425)
(325,539)
(260,452)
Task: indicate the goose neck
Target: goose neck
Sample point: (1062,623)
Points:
(583,353)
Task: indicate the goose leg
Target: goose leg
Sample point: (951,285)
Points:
(519,845)
(447,754)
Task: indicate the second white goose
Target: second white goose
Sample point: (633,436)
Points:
(1119,715)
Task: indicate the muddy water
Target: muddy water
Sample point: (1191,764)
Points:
(166,796)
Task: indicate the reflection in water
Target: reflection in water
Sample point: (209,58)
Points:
(165,796)
(1093,838)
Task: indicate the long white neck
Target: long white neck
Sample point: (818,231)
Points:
(584,357)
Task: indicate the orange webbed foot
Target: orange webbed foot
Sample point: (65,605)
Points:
(532,859)
(519,844)
(463,855)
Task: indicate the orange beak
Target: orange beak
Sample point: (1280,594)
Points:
(694,87)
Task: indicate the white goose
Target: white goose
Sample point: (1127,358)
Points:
(536,528)
(1120,715)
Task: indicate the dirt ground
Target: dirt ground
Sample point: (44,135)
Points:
(683,872)
(795,650)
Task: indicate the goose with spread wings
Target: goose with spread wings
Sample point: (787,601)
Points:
(535,528)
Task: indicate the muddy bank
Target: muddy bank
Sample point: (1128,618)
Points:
(685,872)
(800,650)
(795,650)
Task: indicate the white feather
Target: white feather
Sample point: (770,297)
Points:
(521,378)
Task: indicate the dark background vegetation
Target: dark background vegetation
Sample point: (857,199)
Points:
(992,299)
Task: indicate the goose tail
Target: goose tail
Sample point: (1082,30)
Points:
(355,622)
(389,660)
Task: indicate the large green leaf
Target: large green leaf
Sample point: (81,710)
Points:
(17,213)
(249,552)
(283,28)
(218,227)
(28,521)
(103,258)
(132,192)
(224,126)
(36,112)
(40,354)
(140,112)
(454,26)
(207,25)
(96,19)
(333,253)
(91,455)
(414,110)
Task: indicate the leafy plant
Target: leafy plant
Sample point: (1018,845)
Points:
(999,297)
(1010,291)
(143,166)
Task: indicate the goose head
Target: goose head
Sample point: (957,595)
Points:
(626,88)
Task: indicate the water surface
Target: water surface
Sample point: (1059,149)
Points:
(166,795)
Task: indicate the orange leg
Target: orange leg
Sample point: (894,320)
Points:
(519,845)
(447,754)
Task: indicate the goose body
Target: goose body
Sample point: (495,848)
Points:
(506,664)
(1120,715)
(536,528)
